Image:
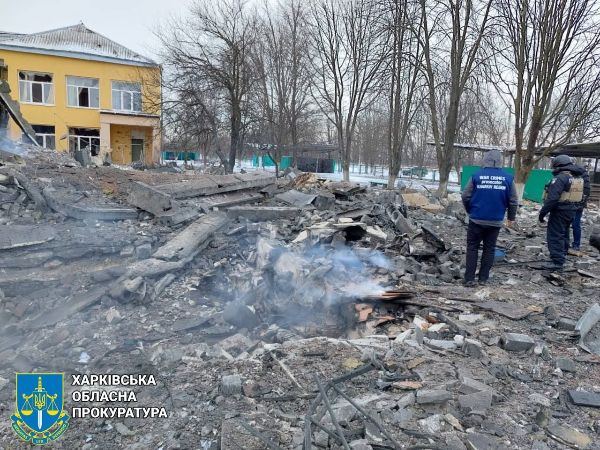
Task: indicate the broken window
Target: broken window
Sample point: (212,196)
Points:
(46,136)
(35,87)
(83,92)
(126,96)
(84,139)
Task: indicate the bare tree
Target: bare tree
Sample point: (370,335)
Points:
(281,61)
(350,50)
(547,67)
(405,59)
(464,23)
(212,48)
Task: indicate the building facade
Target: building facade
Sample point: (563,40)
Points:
(82,92)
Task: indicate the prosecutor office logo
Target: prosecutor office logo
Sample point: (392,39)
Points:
(40,417)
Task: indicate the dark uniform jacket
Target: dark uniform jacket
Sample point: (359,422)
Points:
(561,183)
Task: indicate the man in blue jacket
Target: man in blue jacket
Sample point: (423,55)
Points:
(562,199)
(488,195)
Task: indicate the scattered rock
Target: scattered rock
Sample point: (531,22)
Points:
(231,385)
(566,364)
(584,398)
(476,402)
(515,342)
(477,441)
(569,436)
(433,396)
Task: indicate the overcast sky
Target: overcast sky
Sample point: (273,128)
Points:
(129,22)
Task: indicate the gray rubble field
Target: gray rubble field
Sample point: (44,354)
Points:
(290,313)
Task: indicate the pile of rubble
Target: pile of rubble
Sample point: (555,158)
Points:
(290,313)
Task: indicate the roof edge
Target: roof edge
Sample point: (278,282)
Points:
(77,55)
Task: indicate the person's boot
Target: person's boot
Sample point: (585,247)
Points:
(575,252)
(552,266)
(469,283)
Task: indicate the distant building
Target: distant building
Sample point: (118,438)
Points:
(83,92)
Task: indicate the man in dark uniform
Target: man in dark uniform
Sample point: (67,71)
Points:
(487,196)
(576,224)
(562,199)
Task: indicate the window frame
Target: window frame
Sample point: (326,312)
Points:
(30,87)
(126,91)
(81,137)
(86,87)
(43,135)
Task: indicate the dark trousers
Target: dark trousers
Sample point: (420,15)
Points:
(476,234)
(576,224)
(557,234)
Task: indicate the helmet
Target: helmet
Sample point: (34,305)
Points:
(560,161)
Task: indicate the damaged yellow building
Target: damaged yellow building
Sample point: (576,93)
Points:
(82,92)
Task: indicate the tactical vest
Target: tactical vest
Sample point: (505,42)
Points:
(574,194)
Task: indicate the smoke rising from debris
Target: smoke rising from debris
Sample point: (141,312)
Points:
(316,283)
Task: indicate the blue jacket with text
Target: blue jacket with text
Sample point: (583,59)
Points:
(491,194)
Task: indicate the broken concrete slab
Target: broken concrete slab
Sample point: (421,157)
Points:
(149,198)
(67,206)
(564,323)
(585,324)
(191,188)
(425,396)
(509,310)
(152,267)
(187,242)
(324,201)
(296,198)
(584,398)
(20,236)
(516,342)
(66,309)
(262,213)
(565,364)
(178,215)
(220,201)
(474,348)
(570,436)
(477,441)
(213,184)
(476,402)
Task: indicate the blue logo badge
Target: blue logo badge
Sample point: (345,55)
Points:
(39,416)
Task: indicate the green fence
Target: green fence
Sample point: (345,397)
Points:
(534,188)
(267,161)
(180,156)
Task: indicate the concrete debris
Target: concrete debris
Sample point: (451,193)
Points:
(588,322)
(231,385)
(584,398)
(433,396)
(262,213)
(148,198)
(477,402)
(516,342)
(569,436)
(290,313)
(296,198)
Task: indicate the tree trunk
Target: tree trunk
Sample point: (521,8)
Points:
(235,139)
(392,180)
(521,175)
